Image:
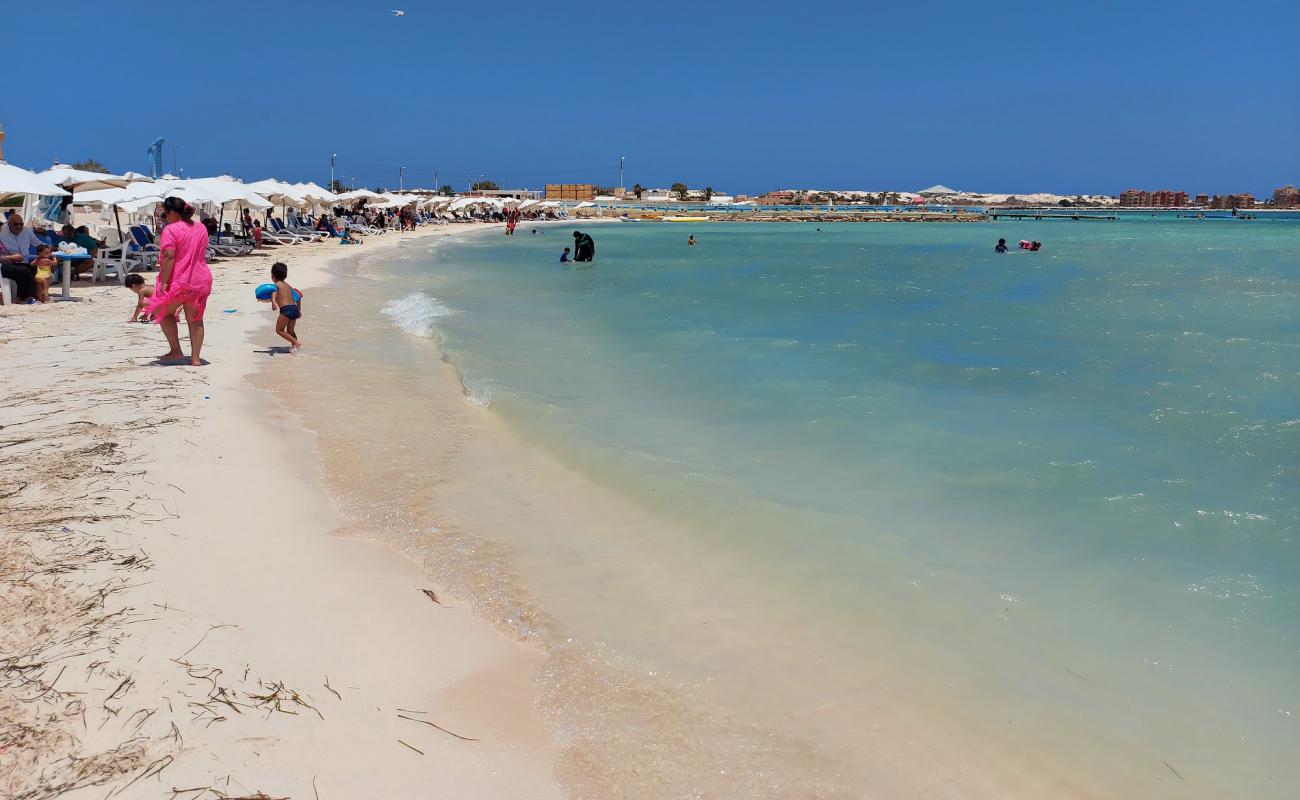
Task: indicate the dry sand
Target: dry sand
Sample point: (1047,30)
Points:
(176,613)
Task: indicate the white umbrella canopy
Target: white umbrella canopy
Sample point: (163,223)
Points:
(83,180)
(316,192)
(359,194)
(395,201)
(465,202)
(18,181)
(280,193)
(219,190)
(118,196)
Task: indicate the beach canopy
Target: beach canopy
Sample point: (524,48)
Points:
(220,190)
(585,204)
(83,180)
(937,189)
(280,193)
(317,193)
(18,181)
(135,195)
(215,191)
(359,194)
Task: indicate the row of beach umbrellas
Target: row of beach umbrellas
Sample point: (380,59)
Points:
(132,192)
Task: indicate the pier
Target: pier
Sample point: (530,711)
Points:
(1022,215)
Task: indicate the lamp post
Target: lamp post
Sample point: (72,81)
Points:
(332,157)
(620,176)
(401,178)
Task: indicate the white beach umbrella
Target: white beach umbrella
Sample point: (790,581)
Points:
(279,192)
(359,194)
(317,193)
(131,198)
(83,180)
(117,196)
(224,189)
(18,181)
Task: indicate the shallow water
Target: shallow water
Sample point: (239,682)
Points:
(881,483)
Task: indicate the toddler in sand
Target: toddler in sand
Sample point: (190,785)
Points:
(135,282)
(44,265)
(289,301)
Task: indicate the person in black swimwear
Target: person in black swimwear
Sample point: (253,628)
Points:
(584,247)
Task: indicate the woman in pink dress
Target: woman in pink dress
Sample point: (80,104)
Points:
(184,280)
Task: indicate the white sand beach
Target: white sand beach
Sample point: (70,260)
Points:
(181,614)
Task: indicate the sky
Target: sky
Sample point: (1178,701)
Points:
(1073,98)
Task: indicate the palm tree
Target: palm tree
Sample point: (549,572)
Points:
(680,190)
(708,193)
(637,189)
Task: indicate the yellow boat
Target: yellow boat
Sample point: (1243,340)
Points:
(686,219)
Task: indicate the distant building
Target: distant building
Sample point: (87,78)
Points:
(1233,201)
(519,194)
(1201,200)
(1163,198)
(777,199)
(570,191)
(1286,197)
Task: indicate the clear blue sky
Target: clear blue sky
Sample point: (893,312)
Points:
(743,96)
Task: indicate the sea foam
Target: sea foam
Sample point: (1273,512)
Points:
(416,313)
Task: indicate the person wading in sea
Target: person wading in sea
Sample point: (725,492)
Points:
(584,247)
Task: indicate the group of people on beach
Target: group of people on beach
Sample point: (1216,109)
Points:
(28,255)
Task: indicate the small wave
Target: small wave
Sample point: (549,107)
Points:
(416,313)
(480,396)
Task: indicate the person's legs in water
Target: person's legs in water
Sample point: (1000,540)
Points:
(194,319)
(284,329)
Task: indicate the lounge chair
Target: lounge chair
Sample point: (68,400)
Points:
(116,257)
(278,229)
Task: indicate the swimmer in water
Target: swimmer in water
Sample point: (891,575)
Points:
(690,240)
(1002,246)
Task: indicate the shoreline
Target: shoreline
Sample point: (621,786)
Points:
(457,471)
(322,589)
(229,641)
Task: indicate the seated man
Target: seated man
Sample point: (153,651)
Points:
(17,246)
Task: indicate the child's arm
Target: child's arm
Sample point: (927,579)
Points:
(139,306)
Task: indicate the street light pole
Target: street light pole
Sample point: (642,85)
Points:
(401,177)
(332,157)
(620,175)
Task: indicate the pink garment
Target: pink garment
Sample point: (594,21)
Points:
(191,278)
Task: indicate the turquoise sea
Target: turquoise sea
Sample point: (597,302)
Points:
(1048,502)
